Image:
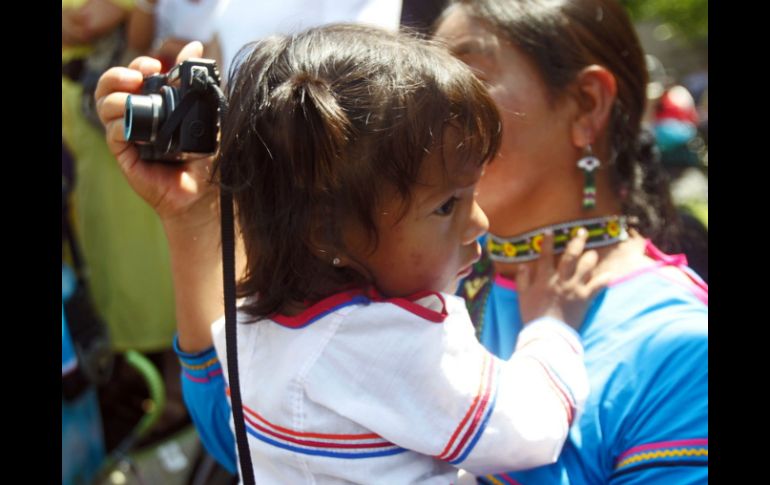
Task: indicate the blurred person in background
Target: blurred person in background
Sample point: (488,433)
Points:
(120,238)
(119,235)
(160,28)
(683,154)
(239,22)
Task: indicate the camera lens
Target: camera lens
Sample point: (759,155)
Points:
(145,114)
(143,117)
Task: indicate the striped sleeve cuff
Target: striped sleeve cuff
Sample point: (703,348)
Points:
(472,426)
(200,366)
(692,452)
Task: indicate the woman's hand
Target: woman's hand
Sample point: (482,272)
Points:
(564,292)
(178,192)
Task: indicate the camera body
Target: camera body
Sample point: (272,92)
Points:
(176,114)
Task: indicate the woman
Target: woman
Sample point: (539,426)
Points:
(569,79)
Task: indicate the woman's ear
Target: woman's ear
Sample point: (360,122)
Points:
(596,89)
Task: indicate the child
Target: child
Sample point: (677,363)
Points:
(356,153)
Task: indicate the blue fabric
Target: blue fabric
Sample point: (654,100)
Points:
(673,133)
(69,360)
(646,351)
(82,445)
(203,390)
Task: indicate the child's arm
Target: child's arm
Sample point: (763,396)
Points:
(430,387)
(425,383)
(203,390)
(183,198)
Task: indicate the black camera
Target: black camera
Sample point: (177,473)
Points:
(177,112)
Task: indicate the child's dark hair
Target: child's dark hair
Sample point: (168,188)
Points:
(320,123)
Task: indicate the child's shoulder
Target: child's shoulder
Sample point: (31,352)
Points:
(363,310)
(423,307)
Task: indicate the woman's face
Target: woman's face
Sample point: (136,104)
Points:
(531,179)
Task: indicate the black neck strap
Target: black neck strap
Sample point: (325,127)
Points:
(231,331)
(231,334)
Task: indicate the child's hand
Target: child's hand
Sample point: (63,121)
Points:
(177,191)
(562,293)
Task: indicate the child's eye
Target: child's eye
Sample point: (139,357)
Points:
(447,207)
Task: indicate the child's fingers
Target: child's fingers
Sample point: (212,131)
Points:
(523,278)
(118,79)
(544,266)
(597,284)
(111,107)
(586,263)
(146,65)
(115,130)
(193,49)
(572,253)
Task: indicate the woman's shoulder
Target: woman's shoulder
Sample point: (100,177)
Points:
(647,320)
(647,271)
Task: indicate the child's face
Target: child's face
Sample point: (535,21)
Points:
(433,244)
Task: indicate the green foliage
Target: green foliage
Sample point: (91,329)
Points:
(688,17)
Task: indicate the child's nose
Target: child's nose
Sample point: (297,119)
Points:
(478,224)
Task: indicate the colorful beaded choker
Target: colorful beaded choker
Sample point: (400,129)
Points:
(602,231)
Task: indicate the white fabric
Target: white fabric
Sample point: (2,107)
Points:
(185,19)
(239,22)
(380,369)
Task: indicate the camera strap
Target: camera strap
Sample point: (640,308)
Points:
(231,333)
(170,126)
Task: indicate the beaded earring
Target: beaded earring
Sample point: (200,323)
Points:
(588,164)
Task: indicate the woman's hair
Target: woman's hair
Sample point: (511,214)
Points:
(320,125)
(562,37)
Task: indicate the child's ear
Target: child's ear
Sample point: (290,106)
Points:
(329,250)
(320,248)
(595,89)
(320,242)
